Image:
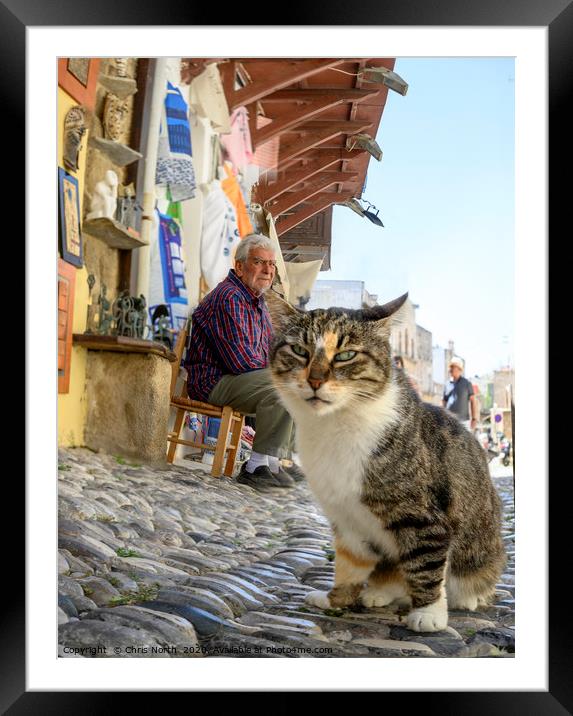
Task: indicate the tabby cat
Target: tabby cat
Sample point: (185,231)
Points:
(406,487)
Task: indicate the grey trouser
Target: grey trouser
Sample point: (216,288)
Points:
(253,394)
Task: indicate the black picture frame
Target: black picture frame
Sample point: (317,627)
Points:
(71,241)
(557,16)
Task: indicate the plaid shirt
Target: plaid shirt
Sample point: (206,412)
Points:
(230,333)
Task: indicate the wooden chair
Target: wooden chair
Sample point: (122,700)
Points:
(232,421)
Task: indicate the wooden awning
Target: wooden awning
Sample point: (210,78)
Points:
(312,107)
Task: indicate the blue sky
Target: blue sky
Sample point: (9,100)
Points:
(445,191)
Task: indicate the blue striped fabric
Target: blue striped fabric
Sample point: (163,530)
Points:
(231,332)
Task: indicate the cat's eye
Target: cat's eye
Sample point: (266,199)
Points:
(299,350)
(345,355)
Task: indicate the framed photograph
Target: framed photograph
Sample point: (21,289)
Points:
(71,245)
(36,679)
(78,77)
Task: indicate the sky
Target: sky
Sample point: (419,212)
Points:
(445,193)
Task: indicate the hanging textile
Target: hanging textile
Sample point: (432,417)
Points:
(237,144)
(281,266)
(167,271)
(219,236)
(174,154)
(267,154)
(301,278)
(232,189)
(207,98)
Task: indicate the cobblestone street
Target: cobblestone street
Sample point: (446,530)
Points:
(175,563)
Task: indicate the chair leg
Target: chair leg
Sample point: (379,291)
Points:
(177,432)
(226,418)
(236,441)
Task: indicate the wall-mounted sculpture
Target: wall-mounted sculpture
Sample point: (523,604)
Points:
(104,199)
(115,113)
(74,130)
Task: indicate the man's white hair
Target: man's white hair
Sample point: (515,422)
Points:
(252,241)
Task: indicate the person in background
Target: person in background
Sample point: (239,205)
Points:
(399,364)
(459,395)
(227,360)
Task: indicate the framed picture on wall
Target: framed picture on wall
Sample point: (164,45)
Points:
(71,244)
(78,77)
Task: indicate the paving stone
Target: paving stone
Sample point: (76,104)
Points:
(66,604)
(204,622)
(227,590)
(98,639)
(83,604)
(86,547)
(201,598)
(99,590)
(171,631)
(122,582)
(501,637)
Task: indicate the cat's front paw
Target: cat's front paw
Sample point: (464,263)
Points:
(431,618)
(318,599)
(372,597)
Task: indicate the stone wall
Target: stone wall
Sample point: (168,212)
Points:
(128,404)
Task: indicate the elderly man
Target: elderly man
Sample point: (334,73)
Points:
(228,357)
(459,396)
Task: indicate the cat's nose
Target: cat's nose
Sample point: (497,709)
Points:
(315,383)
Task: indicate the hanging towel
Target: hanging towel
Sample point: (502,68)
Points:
(219,236)
(232,189)
(207,98)
(174,154)
(167,271)
(237,144)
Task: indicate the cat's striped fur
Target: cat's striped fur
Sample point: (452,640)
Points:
(405,486)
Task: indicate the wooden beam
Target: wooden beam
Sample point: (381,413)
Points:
(291,199)
(304,95)
(322,201)
(290,179)
(311,139)
(291,72)
(320,154)
(348,127)
(291,119)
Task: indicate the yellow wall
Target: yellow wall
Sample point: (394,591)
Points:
(72,406)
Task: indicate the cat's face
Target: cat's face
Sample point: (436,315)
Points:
(324,360)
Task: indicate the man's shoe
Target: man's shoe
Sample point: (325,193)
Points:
(285,480)
(295,472)
(260,478)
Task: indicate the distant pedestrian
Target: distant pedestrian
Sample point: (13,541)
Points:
(459,396)
(399,364)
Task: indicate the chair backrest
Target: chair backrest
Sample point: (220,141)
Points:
(179,350)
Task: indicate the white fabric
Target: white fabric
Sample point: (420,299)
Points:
(301,278)
(207,98)
(281,266)
(219,236)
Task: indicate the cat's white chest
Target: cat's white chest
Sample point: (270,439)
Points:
(333,455)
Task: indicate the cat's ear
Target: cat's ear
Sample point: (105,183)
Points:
(392,306)
(381,314)
(281,311)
